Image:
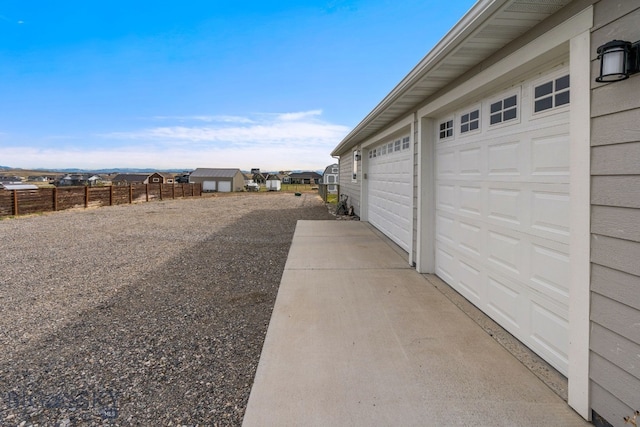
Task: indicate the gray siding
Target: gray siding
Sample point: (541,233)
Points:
(615,225)
(351,189)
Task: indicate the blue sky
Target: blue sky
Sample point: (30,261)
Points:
(186,84)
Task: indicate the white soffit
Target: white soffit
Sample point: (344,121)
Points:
(486,28)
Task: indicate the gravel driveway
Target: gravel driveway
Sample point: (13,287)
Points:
(151,314)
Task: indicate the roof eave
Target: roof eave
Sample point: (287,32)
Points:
(476,16)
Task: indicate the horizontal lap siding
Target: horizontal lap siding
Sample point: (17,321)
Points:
(615,225)
(351,189)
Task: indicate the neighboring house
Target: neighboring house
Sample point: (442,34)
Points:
(10,180)
(39,178)
(134,179)
(182,179)
(161,178)
(304,178)
(330,177)
(79,179)
(222,180)
(501,165)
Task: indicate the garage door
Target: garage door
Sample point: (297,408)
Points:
(209,186)
(390,189)
(224,186)
(502,210)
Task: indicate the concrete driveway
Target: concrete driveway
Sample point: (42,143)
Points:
(359,338)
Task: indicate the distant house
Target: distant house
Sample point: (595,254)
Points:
(79,179)
(40,178)
(160,178)
(182,179)
(330,178)
(132,179)
(222,180)
(10,179)
(305,178)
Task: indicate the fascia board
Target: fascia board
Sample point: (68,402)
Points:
(478,15)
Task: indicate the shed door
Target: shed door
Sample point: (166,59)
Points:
(224,186)
(389,190)
(502,210)
(209,186)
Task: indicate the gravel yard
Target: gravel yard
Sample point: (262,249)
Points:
(148,314)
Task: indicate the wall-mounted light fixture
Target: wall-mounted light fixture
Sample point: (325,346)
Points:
(358,156)
(618,60)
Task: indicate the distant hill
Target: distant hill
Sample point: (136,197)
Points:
(94,171)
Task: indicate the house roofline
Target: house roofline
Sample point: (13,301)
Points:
(479,14)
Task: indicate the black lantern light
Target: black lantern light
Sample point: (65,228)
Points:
(618,59)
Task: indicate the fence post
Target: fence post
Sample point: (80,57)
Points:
(111,195)
(130,193)
(15,202)
(86,196)
(173,191)
(160,190)
(55,199)
(146,187)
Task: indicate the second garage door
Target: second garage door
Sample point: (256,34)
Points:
(389,189)
(502,210)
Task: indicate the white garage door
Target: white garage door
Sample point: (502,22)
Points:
(502,210)
(224,186)
(390,189)
(209,186)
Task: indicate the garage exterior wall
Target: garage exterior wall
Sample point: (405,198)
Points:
(615,224)
(347,184)
(237,182)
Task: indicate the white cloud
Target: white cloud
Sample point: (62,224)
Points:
(285,128)
(205,118)
(268,141)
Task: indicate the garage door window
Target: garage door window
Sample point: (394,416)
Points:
(396,145)
(406,143)
(446,129)
(504,110)
(470,121)
(551,94)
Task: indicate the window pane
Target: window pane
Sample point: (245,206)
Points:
(449,132)
(397,146)
(464,128)
(465,118)
(474,114)
(496,118)
(543,104)
(510,114)
(474,125)
(496,106)
(443,126)
(562,98)
(510,102)
(562,83)
(544,89)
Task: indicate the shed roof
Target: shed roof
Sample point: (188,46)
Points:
(19,186)
(486,28)
(214,173)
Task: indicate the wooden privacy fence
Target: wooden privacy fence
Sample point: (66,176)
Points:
(22,202)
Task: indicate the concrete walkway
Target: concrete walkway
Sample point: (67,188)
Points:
(359,338)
